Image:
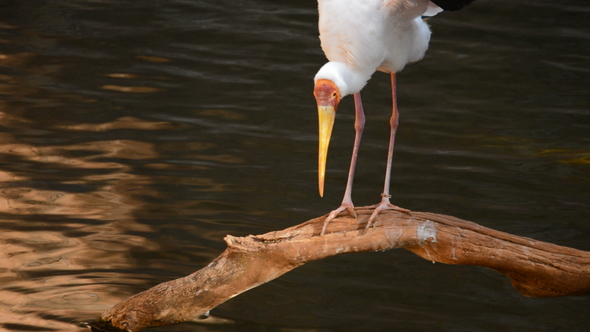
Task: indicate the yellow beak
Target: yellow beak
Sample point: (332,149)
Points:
(326,116)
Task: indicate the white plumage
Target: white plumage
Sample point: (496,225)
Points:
(360,37)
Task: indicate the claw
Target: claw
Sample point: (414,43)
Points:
(335,213)
(384,205)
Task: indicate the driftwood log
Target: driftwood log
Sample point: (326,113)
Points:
(536,269)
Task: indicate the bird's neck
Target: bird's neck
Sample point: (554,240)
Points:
(348,80)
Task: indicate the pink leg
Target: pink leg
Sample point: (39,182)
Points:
(385,204)
(359,125)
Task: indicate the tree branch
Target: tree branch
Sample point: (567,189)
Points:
(536,269)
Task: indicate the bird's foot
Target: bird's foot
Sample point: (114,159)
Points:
(384,205)
(344,206)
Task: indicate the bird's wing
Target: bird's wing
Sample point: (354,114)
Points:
(434,6)
(432,10)
(399,6)
(411,8)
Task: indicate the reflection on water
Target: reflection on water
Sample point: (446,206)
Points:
(135,136)
(68,220)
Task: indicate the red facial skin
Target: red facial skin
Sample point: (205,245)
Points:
(326,93)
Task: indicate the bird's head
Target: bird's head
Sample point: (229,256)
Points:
(327,96)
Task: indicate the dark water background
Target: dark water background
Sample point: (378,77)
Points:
(134,135)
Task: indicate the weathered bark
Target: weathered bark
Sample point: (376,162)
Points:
(537,269)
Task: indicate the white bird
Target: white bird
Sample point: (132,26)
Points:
(360,37)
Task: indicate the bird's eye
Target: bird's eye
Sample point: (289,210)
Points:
(334,94)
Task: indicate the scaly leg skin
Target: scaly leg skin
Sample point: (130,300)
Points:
(359,125)
(385,204)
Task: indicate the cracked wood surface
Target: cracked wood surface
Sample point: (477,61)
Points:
(536,269)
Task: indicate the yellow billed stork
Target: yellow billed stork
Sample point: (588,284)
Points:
(360,37)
